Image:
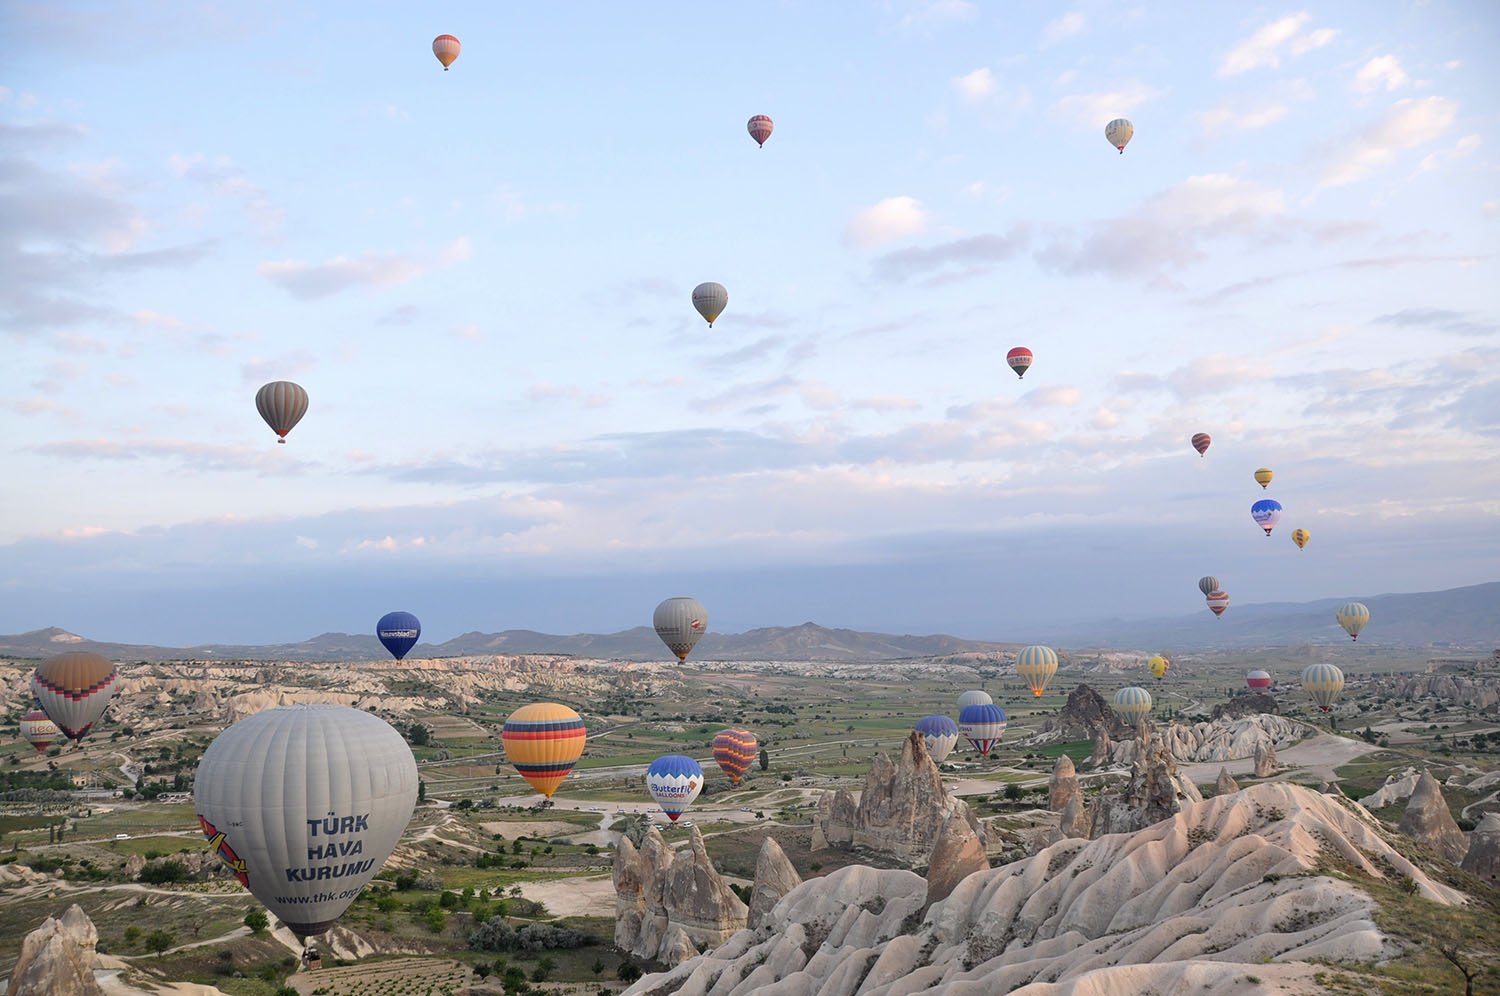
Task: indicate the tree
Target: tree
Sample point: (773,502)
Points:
(482,969)
(765,760)
(257,921)
(628,971)
(1012,792)
(160,940)
(598,966)
(132,935)
(421,791)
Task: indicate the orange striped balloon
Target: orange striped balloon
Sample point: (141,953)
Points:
(735,749)
(544,741)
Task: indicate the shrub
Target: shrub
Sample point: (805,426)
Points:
(257,921)
(163,872)
(497,935)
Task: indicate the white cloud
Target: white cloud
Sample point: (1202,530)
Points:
(1264,47)
(1381,72)
(975,86)
(890,219)
(460,250)
(1094,109)
(1222,118)
(1066,26)
(1465,146)
(1061,397)
(1408,124)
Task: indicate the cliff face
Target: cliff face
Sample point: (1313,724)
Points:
(668,906)
(1223,739)
(57,958)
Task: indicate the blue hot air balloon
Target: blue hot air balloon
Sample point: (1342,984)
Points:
(941,734)
(399,631)
(983,725)
(674,781)
(1266,513)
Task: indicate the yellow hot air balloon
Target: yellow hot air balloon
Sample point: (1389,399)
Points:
(1323,682)
(1352,616)
(1263,476)
(1158,666)
(1300,537)
(1132,704)
(1037,664)
(544,741)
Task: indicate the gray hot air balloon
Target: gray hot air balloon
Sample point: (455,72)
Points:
(282,404)
(1208,585)
(710,299)
(977,696)
(681,623)
(305,803)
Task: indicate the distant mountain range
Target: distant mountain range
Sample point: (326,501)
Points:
(1460,618)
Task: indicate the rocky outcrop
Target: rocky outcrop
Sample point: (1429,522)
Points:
(1217,891)
(774,878)
(1062,786)
(1085,715)
(1225,783)
(1073,821)
(1470,692)
(1428,820)
(1155,792)
(659,895)
(677,948)
(957,854)
(1246,705)
(1265,761)
(1483,858)
(1103,748)
(1225,739)
(134,865)
(900,812)
(1398,787)
(58,958)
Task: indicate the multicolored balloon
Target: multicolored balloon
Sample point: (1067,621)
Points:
(282,404)
(1208,585)
(543,741)
(38,730)
(1132,704)
(74,689)
(975,696)
(1258,680)
(1263,476)
(1119,132)
(982,726)
(305,803)
(674,781)
(1217,602)
(1323,682)
(1266,513)
(735,750)
(680,621)
(1201,441)
(1158,666)
(1300,537)
(941,735)
(1353,616)
(1019,360)
(760,128)
(398,632)
(710,299)
(446,47)
(1037,664)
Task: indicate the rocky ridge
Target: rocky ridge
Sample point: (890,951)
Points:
(668,906)
(1224,739)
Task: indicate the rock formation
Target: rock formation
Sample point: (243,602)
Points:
(1085,715)
(677,948)
(1398,787)
(1103,747)
(1225,783)
(57,958)
(1225,739)
(1155,792)
(659,896)
(1073,821)
(774,878)
(900,812)
(1246,705)
(1483,858)
(1428,820)
(957,854)
(1225,889)
(1265,761)
(1063,784)
(1470,692)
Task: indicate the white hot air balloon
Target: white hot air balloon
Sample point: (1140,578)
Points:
(1119,132)
(305,803)
(680,621)
(977,696)
(710,299)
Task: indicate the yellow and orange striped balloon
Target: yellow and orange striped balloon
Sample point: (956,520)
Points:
(544,741)
(735,749)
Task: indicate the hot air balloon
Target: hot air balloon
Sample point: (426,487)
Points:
(38,730)
(1323,682)
(1263,477)
(1133,704)
(1208,585)
(1119,132)
(1037,664)
(446,47)
(735,750)
(680,622)
(305,803)
(760,128)
(1266,513)
(975,697)
(398,632)
(710,299)
(543,741)
(1300,537)
(1158,666)
(941,734)
(1217,602)
(983,726)
(1201,441)
(282,404)
(1019,360)
(74,689)
(1353,616)
(1258,680)
(674,781)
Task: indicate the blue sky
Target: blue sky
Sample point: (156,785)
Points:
(482,277)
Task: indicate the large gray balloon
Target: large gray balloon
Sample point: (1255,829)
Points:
(305,803)
(710,299)
(681,623)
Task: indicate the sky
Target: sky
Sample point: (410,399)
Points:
(482,277)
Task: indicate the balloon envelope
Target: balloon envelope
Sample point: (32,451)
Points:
(1266,513)
(674,781)
(1263,477)
(74,689)
(1353,616)
(1208,585)
(398,632)
(982,726)
(1218,602)
(38,730)
(446,47)
(941,735)
(1119,132)
(282,404)
(735,750)
(1258,680)
(974,697)
(760,128)
(1132,704)
(681,622)
(1300,537)
(543,741)
(1019,360)
(1037,664)
(1158,666)
(710,299)
(1201,441)
(1323,682)
(305,803)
